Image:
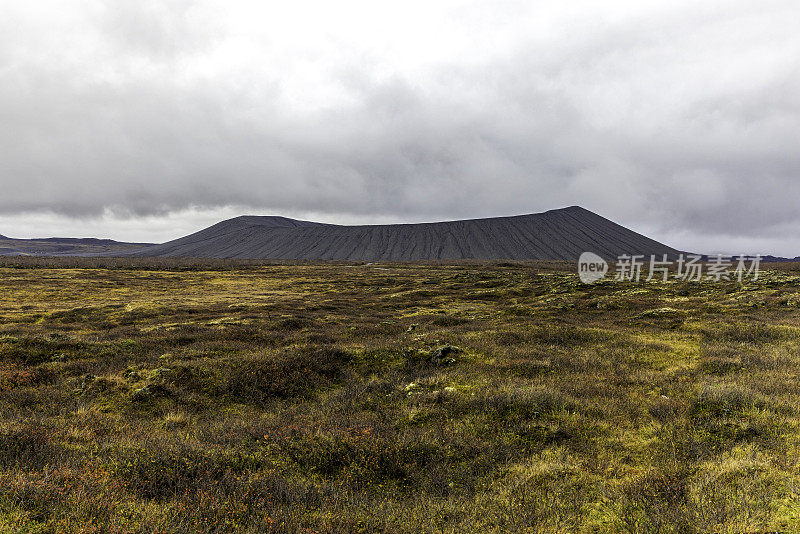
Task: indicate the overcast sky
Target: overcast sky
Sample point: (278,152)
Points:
(150,119)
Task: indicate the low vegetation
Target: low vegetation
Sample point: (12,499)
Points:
(496,397)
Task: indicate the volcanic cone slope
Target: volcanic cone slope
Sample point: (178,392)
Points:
(561,234)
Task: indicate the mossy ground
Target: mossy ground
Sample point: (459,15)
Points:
(303,398)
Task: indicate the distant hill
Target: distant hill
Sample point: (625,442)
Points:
(65,246)
(561,234)
(780,259)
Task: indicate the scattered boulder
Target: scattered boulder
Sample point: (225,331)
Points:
(133,373)
(148,392)
(444,355)
(159,373)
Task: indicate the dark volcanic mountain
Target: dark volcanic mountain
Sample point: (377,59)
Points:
(65,246)
(561,234)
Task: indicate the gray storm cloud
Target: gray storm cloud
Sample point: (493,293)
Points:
(682,119)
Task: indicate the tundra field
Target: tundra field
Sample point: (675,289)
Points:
(138,396)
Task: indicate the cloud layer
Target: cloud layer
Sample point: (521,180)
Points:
(676,119)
